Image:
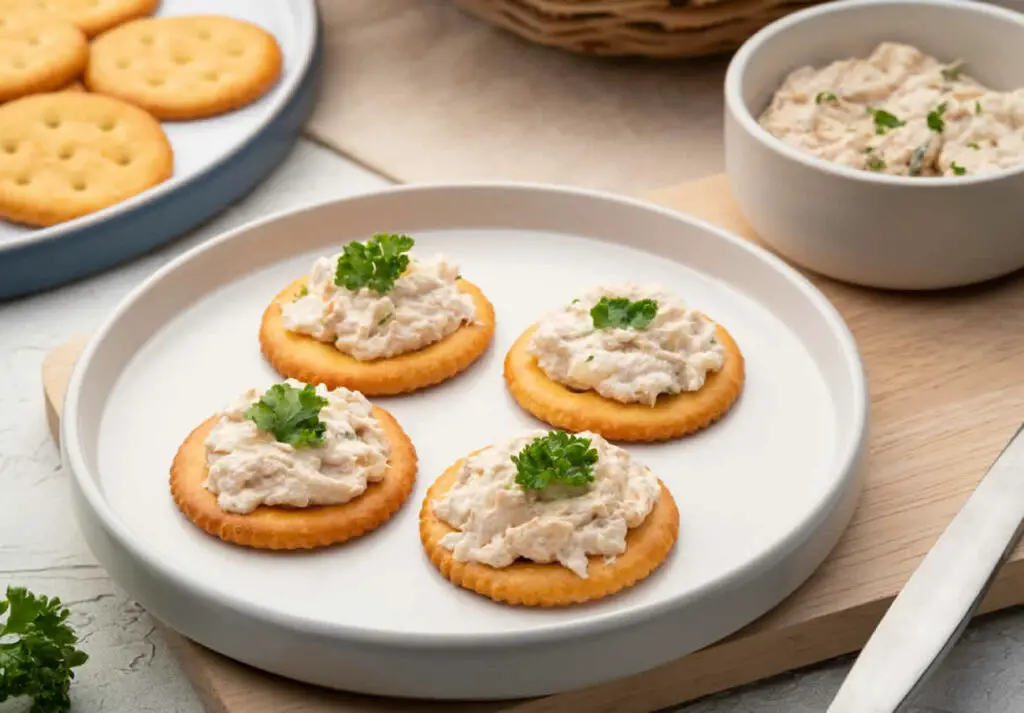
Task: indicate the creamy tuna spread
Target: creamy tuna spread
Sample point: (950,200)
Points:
(628,362)
(423,306)
(899,112)
(499,521)
(249,467)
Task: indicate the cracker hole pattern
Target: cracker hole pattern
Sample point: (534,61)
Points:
(79,185)
(22,180)
(203,34)
(66,152)
(155,81)
(123,63)
(182,59)
(107,125)
(123,159)
(211,76)
(52,122)
(10,147)
(18,63)
(33,40)
(147,40)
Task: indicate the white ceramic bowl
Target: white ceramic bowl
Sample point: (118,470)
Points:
(874,229)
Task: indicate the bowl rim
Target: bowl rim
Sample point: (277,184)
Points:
(737,108)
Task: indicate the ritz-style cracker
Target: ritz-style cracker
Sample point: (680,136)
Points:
(286,528)
(301,357)
(672,416)
(185,67)
(69,153)
(528,583)
(39,52)
(96,16)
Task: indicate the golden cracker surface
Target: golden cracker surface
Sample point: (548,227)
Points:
(185,67)
(301,357)
(526,583)
(66,154)
(670,417)
(281,528)
(38,52)
(95,16)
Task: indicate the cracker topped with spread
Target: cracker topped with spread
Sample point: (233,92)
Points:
(294,467)
(548,519)
(377,319)
(631,362)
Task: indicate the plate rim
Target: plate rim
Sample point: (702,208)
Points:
(846,478)
(309,23)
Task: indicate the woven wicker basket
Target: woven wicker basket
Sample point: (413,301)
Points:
(649,28)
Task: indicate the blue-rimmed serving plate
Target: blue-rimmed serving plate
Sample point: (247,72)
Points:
(216,161)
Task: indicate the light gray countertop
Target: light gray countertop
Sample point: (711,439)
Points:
(131,670)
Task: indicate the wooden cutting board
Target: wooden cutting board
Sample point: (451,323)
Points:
(946,373)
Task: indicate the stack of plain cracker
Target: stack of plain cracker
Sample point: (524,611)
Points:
(84,85)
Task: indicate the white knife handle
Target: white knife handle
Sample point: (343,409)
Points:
(930,613)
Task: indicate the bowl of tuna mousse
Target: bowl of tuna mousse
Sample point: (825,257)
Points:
(881,142)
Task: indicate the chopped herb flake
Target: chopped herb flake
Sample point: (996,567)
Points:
(958,170)
(869,149)
(825,97)
(384,319)
(590,358)
(622,313)
(875,164)
(884,120)
(302,293)
(952,72)
(556,458)
(574,301)
(974,146)
(935,121)
(977,107)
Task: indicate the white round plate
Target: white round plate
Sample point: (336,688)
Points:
(763,495)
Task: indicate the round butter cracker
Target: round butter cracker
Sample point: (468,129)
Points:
(302,357)
(185,67)
(672,416)
(66,154)
(38,52)
(527,583)
(284,528)
(96,16)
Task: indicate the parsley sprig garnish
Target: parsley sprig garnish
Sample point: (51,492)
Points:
(292,415)
(556,458)
(37,651)
(825,97)
(935,121)
(884,120)
(623,313)
(376,264)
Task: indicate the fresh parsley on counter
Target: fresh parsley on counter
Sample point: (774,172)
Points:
(375,264)
(291,414)
(556,458)
(37,651)
(622,313)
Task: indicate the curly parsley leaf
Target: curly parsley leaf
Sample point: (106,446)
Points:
(291,414)
(935,120)
(825,97)
(375,264)
(556,458)
(37,651)
(958,170)
(622,313)
(884,120)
